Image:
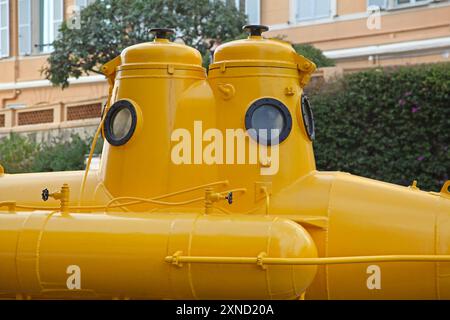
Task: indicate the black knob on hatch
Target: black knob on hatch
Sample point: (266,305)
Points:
(162,33)
(229,197)
(45,194)
(255,29)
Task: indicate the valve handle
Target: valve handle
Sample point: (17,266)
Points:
(229,197)
(162,33)
(45,194)
(255,29)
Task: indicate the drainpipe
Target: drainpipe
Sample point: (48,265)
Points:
(13,96)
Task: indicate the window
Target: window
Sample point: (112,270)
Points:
(392,4)
(252,8)
(24,27)
(84,3)
(268,121)
(312,9)
(4,28)
(382,4)
(39,23)
(409,2)
(52,13)
(253,11)
(120,123)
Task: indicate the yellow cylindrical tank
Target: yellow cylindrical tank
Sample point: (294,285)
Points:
(249,70)
(123,256)
(361,217)
(166,84)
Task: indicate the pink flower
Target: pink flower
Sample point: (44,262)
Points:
(415,109)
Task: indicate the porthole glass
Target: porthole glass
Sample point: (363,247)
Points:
(268,121)
(120,122)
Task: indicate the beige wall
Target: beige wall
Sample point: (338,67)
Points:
(345,7)
(397,26)
(275,12)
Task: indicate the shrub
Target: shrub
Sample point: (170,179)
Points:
(17,153)
(314,54)
(388,124)
(60,155)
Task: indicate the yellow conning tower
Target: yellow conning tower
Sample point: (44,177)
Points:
(163,85)
(208,190)
(262,80)
(166,88)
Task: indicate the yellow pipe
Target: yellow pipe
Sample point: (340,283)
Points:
(166,203)
(109,204)
(110,75)
(91,154)
(138,200)
(162,203)
(237,190)
(266,194)
(13,204)
(261,260)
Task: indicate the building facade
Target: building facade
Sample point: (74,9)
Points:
(360,34)
(357,34)
(29,103)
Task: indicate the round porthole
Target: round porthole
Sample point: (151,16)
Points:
(268,121)
(120,123)
(308,118)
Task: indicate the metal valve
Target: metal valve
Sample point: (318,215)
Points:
(45,194)
(63,196)
(255,29)
(229,197)
(162,33)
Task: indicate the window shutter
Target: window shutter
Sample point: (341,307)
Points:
(52,19)
(4,28)
(46,22)
(58,17)
(81,3)
(253,12)
(24,27)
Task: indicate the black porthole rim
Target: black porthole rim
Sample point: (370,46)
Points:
(280,106)
(115,108)
(310,130)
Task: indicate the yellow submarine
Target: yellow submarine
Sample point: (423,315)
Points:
(146,226)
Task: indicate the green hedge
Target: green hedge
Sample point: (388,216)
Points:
(314,54)
(19,154)
(388,124)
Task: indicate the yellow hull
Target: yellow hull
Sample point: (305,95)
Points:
(148,226)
